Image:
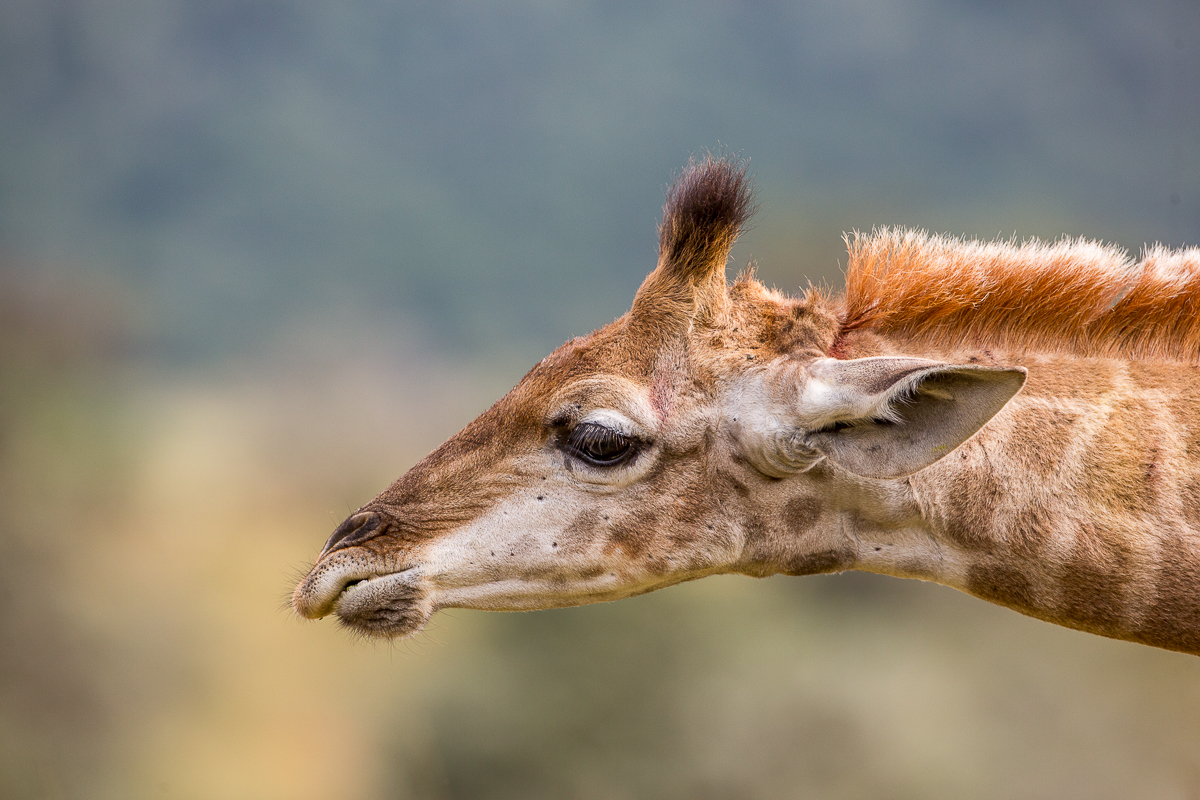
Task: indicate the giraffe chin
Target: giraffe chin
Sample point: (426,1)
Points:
(389,606)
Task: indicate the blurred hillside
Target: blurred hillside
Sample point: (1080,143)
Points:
(257,258)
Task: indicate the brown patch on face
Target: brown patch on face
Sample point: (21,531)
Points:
(800,514)
(668,500)
(678,484)
(731,481)
(633,534)
(1173,619)
(694,510)
(974,497)
(1040,439)
(461,478)
(765,550)
(1094,580)
(1120,466)
(581,530)
(778,545)
(1001,584)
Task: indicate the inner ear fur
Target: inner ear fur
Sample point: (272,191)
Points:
(890,417)
(707,207)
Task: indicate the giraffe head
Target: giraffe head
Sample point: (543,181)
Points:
(700,433)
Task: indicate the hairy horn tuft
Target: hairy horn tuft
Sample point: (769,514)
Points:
(707,207)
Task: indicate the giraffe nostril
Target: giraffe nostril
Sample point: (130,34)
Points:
(356,529)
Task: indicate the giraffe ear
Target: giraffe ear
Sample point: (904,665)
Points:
(707,208)
(890,417)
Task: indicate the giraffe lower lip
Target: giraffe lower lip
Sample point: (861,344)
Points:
(390,605)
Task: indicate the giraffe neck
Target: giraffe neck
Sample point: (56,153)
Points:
(1079,504)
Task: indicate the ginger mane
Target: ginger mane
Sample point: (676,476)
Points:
(1070,296)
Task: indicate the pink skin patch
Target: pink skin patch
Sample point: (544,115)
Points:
(660,393)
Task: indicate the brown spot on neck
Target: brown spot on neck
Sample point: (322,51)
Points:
(632,534)
(1000,583)
(974,497)
(801,514)
(1173,619)
(1094,581)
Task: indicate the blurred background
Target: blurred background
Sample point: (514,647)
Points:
(257,258)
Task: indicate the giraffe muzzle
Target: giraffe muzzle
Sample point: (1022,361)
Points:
(365,595)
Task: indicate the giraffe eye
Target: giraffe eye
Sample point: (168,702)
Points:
(599,445)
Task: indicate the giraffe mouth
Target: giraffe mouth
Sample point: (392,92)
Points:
(376,603)
(370,583)
(391,605)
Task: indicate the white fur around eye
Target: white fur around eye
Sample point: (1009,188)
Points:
(614,420)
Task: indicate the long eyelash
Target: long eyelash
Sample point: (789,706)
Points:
(599,445)
(588,436)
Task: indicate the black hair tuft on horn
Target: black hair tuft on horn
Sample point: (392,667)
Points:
(707,207)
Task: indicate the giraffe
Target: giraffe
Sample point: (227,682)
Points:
(1017,421)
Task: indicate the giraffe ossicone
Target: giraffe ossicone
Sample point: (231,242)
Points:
(1021,422)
